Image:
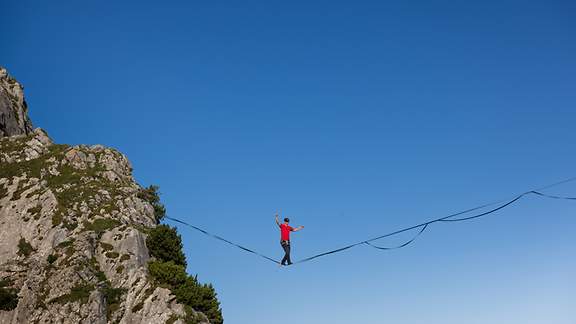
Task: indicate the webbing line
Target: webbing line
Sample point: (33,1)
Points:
(402,245)
(512,201)
(423,226)
(552,196)
(483,214)
(221,239)
(444,219)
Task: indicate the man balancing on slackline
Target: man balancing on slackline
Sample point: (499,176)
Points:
(285,230)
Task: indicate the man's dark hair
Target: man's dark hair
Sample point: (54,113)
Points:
(287,219)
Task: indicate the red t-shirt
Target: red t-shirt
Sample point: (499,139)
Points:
(285,232)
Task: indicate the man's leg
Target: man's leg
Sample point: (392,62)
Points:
(285,253)
(287,249)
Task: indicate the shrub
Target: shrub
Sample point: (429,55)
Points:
(24,248)
(57,217)
(106,246)
(101,276)
(79,293)
(167,272)
(66,243)
(191,316)
(69,226)
(201,297)
(165,245)
(112,255)
(137,307)
(152,196)
(35,210)
(101,225)
(5,282)
(8,296)
(112,296)
(52,258)
(8,299)
(187,290)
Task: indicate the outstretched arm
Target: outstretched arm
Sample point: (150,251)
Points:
(277,221)
(298,228)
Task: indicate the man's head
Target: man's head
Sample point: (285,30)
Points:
(286,220)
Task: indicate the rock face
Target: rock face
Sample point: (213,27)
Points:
(73,231)
(13,109)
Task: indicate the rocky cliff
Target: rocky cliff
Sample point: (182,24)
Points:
(13,108)
(73,228)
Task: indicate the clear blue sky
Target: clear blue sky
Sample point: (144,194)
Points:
(355,119)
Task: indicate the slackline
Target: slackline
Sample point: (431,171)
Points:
(423,227)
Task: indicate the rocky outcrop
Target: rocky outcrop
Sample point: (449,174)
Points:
(73,232)
(13,108)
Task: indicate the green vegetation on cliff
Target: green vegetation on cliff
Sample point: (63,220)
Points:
(168,270)
(24,248)
(165,244)
(8,296)
(70,185)
(152,196)
(80,292)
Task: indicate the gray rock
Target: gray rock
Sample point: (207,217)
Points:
(13,108)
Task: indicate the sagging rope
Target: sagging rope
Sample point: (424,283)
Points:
(425,225)
(401,245)
(222,239)
(422,226)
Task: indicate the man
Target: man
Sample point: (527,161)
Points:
(285,230)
